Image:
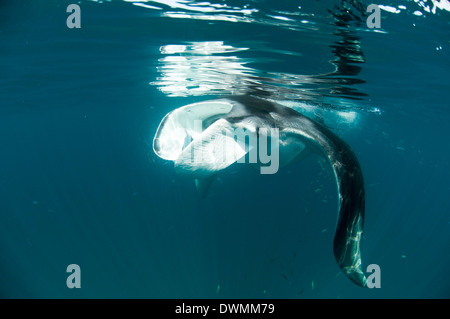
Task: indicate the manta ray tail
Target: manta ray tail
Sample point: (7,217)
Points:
(349,178)
(203,185)
(346,244)
(350,183)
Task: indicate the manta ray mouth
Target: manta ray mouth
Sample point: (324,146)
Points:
(198,139)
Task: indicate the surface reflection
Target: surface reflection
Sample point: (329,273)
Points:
(202,68)
(218,68)
(214,68)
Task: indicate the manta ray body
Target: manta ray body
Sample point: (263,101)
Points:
(202,150)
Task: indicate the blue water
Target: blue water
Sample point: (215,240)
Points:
(80,183)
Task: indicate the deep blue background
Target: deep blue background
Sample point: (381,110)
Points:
(79,182)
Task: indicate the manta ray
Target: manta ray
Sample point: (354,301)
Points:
(202,151)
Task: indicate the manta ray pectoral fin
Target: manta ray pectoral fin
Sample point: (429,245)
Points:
(182,125)
(214,150)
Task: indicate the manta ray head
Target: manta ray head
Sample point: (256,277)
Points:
(204,138)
